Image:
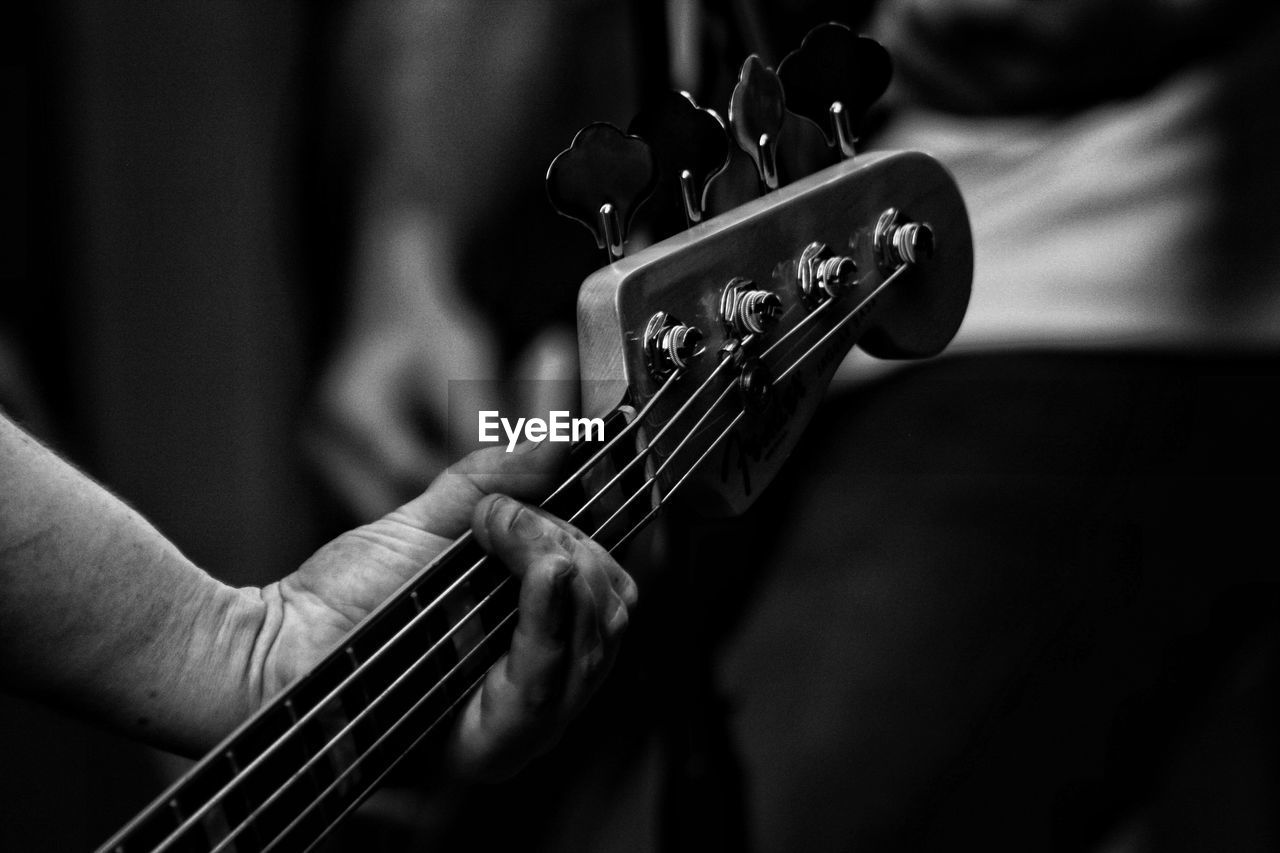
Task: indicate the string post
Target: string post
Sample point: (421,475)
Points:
(844,130)
(899,241)
(669,345)
(748,310)
(823,275)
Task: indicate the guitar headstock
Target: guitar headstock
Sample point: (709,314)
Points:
(719,342)
(725,336)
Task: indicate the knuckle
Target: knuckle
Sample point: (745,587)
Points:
(556,568)
(565,541)
(514,515)
(630,591)
(618,621)
(496,503)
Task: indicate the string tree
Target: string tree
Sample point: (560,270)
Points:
(690,145)
(757,109)
(832,80)
(600,180)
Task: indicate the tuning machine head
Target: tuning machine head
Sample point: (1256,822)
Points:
(690,145)
(833,78)
(600,180)
(757,109)
(669,345)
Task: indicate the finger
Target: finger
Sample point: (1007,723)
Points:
(565,640)
(520,709)
(521,536)
(447,506)
(518,534)
(535,664)
(622,582)
(588,654)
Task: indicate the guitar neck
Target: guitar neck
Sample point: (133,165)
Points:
(317,750)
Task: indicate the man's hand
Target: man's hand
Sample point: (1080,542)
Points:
(574,603)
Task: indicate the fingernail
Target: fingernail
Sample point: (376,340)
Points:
(526,524)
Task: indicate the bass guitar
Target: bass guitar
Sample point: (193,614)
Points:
(706,354)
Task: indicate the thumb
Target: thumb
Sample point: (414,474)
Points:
(518,535)
(446,507)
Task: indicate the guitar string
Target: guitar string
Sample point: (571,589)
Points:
(422,659)
(649,446)
(804,321)
(581,471)
(190,821)
(391,729)
(298,774)
(440,598)
(725,360)
(842,322)
(653,478)
(663,501)
(693,431)
(625,431)
(356,802)
(640,525)
(462,697)
(438,601)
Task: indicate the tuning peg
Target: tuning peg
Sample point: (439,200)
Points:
(600,180)
(833,78)
(690,145)
(756,111)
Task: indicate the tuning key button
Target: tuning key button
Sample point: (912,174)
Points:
(822,275)
(600,180)
(757,109)
(833,78)
(748,310)
(690,144)
(899,241)
(669,345)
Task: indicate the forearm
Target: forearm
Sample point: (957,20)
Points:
(101,614)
